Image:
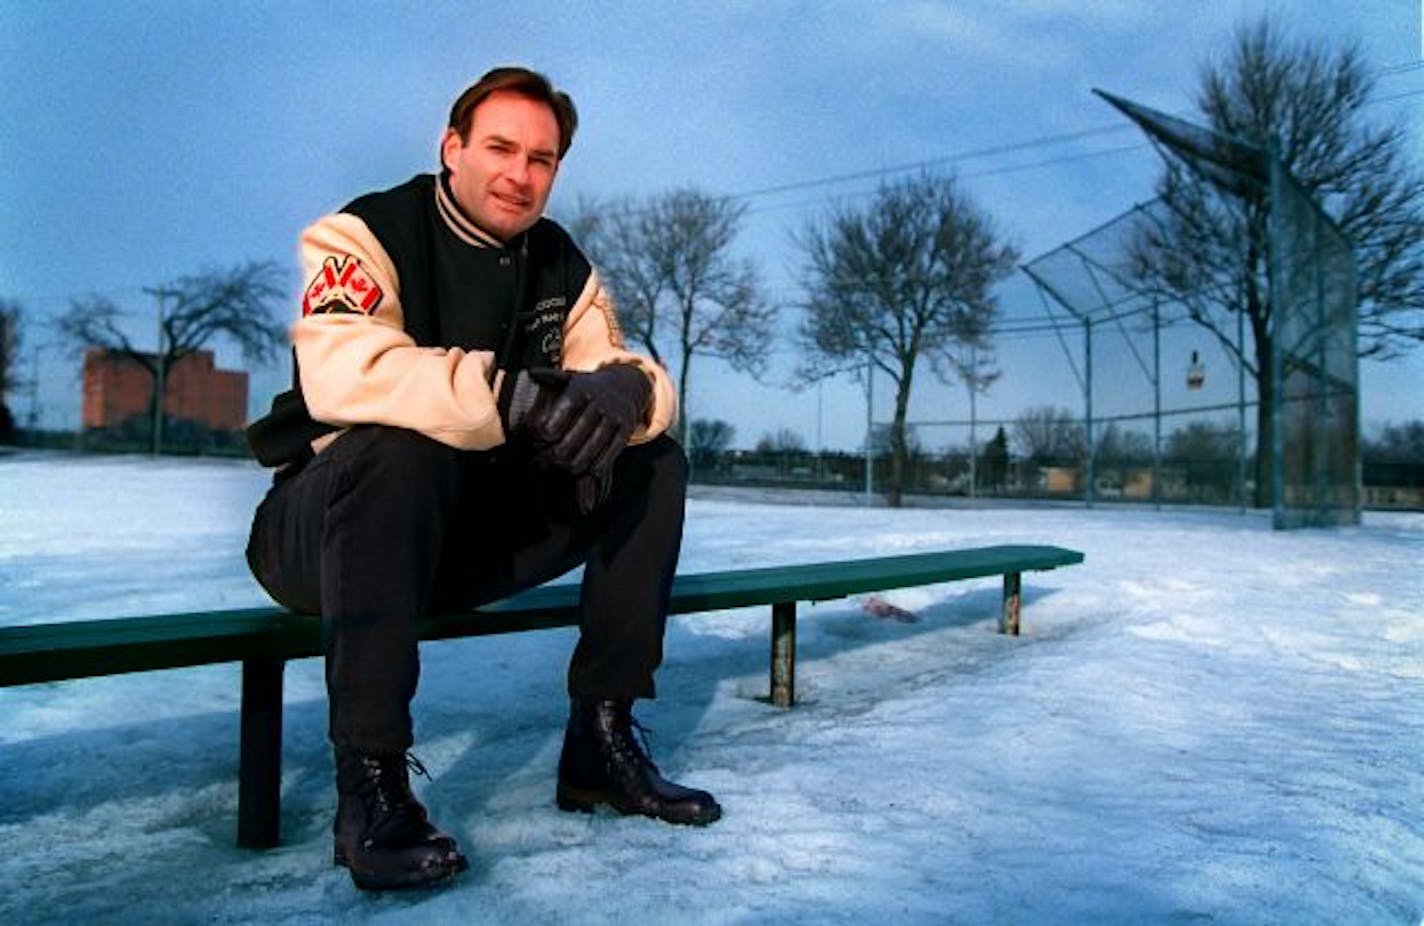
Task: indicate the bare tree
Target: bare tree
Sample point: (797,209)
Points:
(1305,101)
(716,304)
(613,235)
(1119,446)
(977,370)
(12,315)
(782,440)
(1205,453)
(680,291)
(972,365)
(1401,443)
(1049,434)
(710,438)
(236,305)
(1202,441)
(785,446)
(907,277)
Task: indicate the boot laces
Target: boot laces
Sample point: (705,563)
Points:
(415,765)
(626,744)
(386,790)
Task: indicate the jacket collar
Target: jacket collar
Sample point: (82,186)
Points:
(459,223)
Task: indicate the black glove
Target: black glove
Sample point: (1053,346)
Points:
(580,422)
(589,421)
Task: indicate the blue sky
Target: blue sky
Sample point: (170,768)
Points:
(142,141)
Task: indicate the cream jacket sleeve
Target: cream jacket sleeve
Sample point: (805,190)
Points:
(592,339)
(358,365)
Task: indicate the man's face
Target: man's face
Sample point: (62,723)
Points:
(502,173)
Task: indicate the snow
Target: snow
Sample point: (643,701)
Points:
(1205,721)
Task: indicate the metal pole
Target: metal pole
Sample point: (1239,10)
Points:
(973,418)
(1156,405)
(783,654)
(158,385)
(1324,502)
(869,429)
(820,446)
(1241,409)
(259,770)
(34,393)
(1013,604)
(1088,402)
(1278,311)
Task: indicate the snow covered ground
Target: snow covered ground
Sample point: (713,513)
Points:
(1206,721)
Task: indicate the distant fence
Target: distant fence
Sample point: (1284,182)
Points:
(948,474)
(183,438)
(1389,484)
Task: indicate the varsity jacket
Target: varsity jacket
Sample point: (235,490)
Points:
(415,317)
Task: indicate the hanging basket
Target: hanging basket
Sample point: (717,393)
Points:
(1196,373)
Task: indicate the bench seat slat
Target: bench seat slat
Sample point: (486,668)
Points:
(824,581)
(50,652)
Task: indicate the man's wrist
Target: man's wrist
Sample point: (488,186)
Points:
(644,387)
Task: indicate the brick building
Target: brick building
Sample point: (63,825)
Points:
(118,388)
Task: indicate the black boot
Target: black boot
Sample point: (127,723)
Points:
(603,763)
(382,832)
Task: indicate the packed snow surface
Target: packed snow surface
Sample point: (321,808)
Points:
(1206,721)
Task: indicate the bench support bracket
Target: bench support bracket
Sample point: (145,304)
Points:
(259,775)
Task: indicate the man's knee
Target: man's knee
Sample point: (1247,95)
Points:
(393,446)
(401,464)
(665,457)
(658,465)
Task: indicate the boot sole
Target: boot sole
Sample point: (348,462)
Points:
(437,876)
(585,800)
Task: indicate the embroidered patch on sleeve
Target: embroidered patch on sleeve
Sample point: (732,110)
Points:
(341,285)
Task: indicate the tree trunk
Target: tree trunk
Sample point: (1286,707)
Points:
(1258,314)
(684,419)
(897,441)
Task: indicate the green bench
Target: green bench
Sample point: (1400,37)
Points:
(263,639)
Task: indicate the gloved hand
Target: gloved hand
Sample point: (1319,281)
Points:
(581,422)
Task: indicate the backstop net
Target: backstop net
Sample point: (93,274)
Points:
(1314,365)
(1145,434)
(1314,377)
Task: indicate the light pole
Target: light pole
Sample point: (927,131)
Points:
(158,384)
(869,428)
(820,445)
(973,420)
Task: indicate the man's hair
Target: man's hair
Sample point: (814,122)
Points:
(526,83)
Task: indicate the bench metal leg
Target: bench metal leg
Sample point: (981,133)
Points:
(259,776)
(783,654)
(1013,601)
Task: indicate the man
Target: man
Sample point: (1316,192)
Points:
(466,422)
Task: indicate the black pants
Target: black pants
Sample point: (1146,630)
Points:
(387,525)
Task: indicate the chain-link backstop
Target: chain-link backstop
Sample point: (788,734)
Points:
(1314,375)
(1314,365)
